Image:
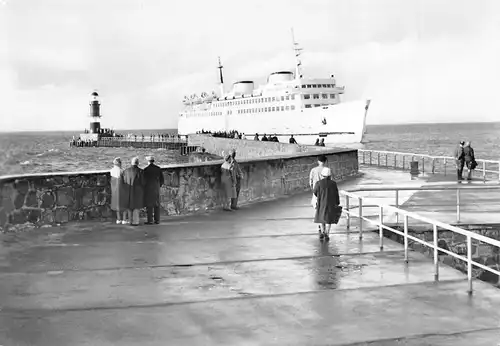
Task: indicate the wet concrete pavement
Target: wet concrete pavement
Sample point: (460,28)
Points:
(258,276)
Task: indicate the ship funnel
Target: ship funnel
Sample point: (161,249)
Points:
(243,88)
(280,77)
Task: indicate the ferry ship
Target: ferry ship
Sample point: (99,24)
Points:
(288,104)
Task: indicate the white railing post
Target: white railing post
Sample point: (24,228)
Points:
(397,206)
(458,205)
(348,213)
(406,237)
(484,171)
(469,263)
(380,227)
(360,215)
(436,253)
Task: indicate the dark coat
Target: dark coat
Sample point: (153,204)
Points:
(328,199)
(133,179)
(469,154)
(153,178)
(118,196)
(228,180)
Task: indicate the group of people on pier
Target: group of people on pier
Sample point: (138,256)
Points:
(465,158)
(82,143)
(134,188)
(104,132)
(223,134)
(152,137)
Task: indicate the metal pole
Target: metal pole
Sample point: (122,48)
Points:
(458,205)
(406,237)
(370,158)
(444,166)
(397,206)
(403,162)
(433,165)
(469,263)
(484,171)
(360,215)
(348,213)
(395,161)
(423,165)
(386,162)
(436,255)
(378,159)
(380,227)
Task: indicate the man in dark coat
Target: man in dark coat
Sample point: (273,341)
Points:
(238,174)
(153,177)
(460,160)
(292,140)
(470,159)
(133,180)
(328,208)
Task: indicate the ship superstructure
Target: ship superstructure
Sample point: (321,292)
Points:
(287,104)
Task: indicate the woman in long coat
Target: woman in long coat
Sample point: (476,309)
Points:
(328,208)
(470,159)
(133,178)
(228,182)
(118,198)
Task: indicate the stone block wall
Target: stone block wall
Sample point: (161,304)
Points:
(57,198)
(457,243)
(247,148)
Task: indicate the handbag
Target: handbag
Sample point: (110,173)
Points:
(473,164)
(338,214)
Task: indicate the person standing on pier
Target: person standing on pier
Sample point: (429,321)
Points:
(133,178)
(460,160)
(470,160)
(314,177)
(292,140)
(153,178)
(328,208)
(228,182)
(118,202)
(238,173)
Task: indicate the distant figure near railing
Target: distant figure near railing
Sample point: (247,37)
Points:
(486,169)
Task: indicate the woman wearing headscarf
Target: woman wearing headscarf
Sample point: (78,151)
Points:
(328,209)
(228,182)
(470,159)
(118,201)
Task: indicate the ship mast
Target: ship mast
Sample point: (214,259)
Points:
(221,79)
(297,50)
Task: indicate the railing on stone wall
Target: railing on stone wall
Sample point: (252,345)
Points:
(383,225)
(486,169)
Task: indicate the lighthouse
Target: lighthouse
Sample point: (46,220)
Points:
(95,113)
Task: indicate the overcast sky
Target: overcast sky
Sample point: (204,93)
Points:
(418,60)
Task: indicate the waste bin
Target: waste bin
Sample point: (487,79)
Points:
(414,169)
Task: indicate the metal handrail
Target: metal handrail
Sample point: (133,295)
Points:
(155,139)
(486,167)
(435,224)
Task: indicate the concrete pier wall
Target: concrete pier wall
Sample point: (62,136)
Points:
(55,198)
(247,148)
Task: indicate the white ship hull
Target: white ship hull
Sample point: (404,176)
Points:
(342,123)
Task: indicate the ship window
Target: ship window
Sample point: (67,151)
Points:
(287,107)
(282,108)
(307,97)
(325,86)
(309,86)
(316,96)
(315,86)
(265,109)
(303,86)
(317,105)
(287,97)
(308,106)
(332,96)
(293,97)
(282,98)
(274,98)
(324,96)
(273,109)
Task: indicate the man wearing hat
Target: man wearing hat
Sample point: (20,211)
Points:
(153,177)
(460,160)
(328,208)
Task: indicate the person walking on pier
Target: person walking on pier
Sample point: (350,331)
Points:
(118,202)
(153,178)
(470,159)
(460,160)
(238,173)
(328,208)
(314,177)
(228,182)
(133,178)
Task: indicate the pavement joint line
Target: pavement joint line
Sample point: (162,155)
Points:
(420,336)
(214,300)
(221,263)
